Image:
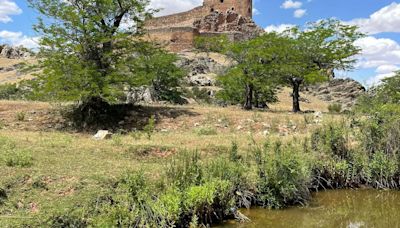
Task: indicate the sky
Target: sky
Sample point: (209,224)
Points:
(379,19)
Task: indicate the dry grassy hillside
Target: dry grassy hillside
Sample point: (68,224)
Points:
(67,168)
(10,70)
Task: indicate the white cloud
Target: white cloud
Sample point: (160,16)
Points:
(377,52)
(289,4)
(377,79)
(384,69)
(279,28)
(299,13)
(7,8)
(256,11)
(386,19)
(380,53)
(174,6)
(18,39)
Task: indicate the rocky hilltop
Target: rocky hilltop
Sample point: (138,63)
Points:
(342,91)
(10,52)
(228,22)
(12,62)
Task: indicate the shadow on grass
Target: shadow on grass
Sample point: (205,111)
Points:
(122,118)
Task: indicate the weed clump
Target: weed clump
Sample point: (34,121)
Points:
(207,130)
(20,116)
(3,196)
(284,176)
(335,108)
(19,158)
(150,127)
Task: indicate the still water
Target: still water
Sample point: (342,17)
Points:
(339,208)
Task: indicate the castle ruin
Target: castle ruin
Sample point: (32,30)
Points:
(214,17)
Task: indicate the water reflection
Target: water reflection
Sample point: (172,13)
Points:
(339,208)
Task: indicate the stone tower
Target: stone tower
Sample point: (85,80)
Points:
(243,7)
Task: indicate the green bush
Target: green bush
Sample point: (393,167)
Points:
(206,130)
(381,132)
(130,204)
(332,139)
(20,91)
(284,176)
(19,158)
(335,108)
(8,91)
(209,202)
(185,170)
(383,171)
(236,172)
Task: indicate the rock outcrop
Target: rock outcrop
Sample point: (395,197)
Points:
(203,68)
(230,21)
(11,52)
(343,91)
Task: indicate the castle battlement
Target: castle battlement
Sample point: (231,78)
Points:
(178,31)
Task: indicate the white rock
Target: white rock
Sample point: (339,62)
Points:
(318,114)
(102,134)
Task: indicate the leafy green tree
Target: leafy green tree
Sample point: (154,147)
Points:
(327,45)
(313,54)
(253,80)
(389,91)
(92,50)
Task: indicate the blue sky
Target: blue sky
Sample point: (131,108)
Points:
(380,19)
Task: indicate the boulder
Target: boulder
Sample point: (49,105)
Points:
(11,52)
(102,135)
(141,94)
(342,91)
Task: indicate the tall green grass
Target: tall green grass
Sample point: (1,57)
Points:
(194,190)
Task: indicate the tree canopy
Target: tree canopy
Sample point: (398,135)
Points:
(291,58)
(93,49)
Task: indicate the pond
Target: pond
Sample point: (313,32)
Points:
(338,208)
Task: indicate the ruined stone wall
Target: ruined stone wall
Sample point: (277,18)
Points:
(175,39)
(179,19)
(243,7)
(178,31)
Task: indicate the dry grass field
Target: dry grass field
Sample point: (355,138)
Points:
(67,167)
(15,75)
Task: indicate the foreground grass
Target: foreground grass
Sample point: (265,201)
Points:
(48,172)
(68,169)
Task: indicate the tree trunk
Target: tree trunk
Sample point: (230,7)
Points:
(256,102)
(249,97)
(296,82)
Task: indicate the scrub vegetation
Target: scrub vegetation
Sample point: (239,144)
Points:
(68,180)
(182,166)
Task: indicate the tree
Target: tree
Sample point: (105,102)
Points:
(324,47)
(91,50)
(389,91)
(253,80)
